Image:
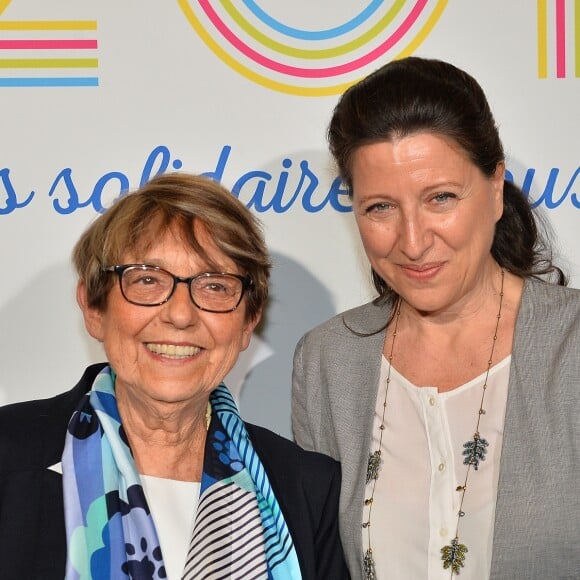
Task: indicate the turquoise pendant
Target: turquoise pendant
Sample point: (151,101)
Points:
(475,451)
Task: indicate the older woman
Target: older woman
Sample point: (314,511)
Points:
(452,399)
(160,476)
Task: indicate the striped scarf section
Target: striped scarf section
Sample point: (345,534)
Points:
(239,530)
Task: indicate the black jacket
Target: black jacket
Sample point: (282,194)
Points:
(32,531)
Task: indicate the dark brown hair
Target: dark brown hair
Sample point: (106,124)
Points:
(414,95)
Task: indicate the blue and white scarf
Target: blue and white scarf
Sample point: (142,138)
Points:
(239,529)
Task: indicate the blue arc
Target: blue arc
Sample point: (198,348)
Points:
(366,13)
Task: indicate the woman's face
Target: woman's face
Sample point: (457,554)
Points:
(205,345)
(426,215)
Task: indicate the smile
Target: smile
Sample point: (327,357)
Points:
(172,350)
(422,272)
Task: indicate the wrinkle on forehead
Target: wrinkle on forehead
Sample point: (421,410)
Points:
(192,234)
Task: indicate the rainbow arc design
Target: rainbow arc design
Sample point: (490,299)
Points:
(305,60)
(47,53)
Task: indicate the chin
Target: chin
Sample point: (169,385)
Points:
(424,304)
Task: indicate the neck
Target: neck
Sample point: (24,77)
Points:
(167,439)
(475,305)
(462,337)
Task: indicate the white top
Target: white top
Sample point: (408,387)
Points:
(415,503)
(173,504)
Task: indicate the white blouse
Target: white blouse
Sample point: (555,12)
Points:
(173,504)
(415,503)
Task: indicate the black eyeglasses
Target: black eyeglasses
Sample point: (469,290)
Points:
(145,285)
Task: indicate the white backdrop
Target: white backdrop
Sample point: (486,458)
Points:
(96,96)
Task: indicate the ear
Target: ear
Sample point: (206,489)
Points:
(93,318)
(497,182)
(248,329)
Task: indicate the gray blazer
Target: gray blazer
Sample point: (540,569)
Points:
(537,520)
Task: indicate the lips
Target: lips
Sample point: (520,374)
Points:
(174,351)
(422,271)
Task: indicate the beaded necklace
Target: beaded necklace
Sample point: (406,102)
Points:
(474,450)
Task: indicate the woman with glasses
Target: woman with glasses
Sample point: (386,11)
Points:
(145,469)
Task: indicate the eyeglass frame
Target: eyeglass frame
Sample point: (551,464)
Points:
(120,269)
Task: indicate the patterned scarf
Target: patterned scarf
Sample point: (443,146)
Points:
(239,529)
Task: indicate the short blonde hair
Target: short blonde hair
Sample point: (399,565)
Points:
(136,220)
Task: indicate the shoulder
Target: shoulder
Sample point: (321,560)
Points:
(547,336)
(368,319)
(32,432)
(287,461)
(539,290)
(290,466)
(550,304)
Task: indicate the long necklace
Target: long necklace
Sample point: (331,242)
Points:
(474,451)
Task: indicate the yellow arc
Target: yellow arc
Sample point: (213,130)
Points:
(3,4)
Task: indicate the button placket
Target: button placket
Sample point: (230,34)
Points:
(441,502)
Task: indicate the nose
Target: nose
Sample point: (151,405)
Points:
(415,236)
(179,310)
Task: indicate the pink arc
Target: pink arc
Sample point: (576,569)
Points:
(315,72)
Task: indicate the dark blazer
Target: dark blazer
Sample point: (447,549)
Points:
(32,530)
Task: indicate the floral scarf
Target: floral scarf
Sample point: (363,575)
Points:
(239,529)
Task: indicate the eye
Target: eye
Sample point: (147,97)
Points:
(138,279)
(379,207)
(218,285)
(215,287)
(443,197)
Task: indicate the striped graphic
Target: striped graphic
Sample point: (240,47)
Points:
(558,38)
(48,53)
(309,60)
(235,549)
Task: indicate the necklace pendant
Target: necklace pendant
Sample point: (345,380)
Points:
(373,465)
(475,451)
(453,556)
(369,565)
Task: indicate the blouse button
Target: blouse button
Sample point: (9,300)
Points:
(432,401)
(441,466)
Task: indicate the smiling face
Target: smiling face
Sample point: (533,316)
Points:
(172,353)
(426,215)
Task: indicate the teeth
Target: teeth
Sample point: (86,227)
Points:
(173,350)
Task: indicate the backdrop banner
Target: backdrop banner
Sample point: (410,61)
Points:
(100,96)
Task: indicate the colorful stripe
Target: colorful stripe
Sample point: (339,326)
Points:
(296,52)
(345,28)
(41,45)
(564,48)
(577,38)
(49,82)
(37,44)
(542,16)
(560,39)
(323,72)
(48,24)
(49,63)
